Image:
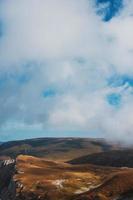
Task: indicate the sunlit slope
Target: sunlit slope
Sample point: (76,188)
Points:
(45,178)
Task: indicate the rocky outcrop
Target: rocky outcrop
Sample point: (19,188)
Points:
(7,184)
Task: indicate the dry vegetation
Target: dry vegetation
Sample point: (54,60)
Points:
(46,171)
(50,180)
(58,179)
(113,187)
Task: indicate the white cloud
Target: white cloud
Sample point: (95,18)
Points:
(62,45)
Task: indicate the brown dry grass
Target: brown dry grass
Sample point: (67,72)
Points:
(63,181)
(40,176)
(115,185)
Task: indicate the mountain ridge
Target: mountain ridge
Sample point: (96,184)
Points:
(55,148)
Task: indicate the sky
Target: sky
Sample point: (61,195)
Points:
(66,69)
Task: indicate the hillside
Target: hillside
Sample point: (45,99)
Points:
(114,158)
(117,186)
(55,148)
(43,179)
(43,171)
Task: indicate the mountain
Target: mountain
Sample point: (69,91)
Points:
(55,148)
(70,169)
(114,158)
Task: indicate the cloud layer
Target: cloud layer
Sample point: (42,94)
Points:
(63,68)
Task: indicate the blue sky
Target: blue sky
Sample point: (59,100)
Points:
(110,10)
(66,69)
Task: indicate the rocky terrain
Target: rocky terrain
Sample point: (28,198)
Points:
(7,184)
